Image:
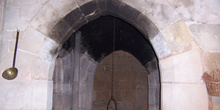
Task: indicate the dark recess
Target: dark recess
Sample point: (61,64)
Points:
(97,39)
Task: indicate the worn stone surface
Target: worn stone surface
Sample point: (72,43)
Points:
(87,64)
(207,36)
(60,31)
(90,10)
(23,94)
(161,13)
(11,12)
(46,19)
(63,7)
(128,13)
(41,94)
(185,67)
(101,4)
(27,14)
(34,39)
(211,61)
(160,46)
(48,49)
(12,91)
(198,10)
(40,69)
(140,5)
(24,64)
(184,96)
(177,36)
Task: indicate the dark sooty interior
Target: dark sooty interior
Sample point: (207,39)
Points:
(97,39)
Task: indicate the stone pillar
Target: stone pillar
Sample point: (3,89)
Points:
(62,80)
(153,84)
(87,71)
(76,80)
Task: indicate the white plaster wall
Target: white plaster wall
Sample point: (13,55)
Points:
(184,29)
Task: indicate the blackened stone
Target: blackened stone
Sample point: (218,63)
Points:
(129,13)
(146,26)
(74,17)
(59,31)
(113,7)
(102,5)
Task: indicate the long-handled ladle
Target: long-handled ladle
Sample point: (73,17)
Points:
(12,72)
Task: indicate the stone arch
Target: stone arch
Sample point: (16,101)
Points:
(62,25)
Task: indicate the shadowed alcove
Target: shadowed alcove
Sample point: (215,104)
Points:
(84,51)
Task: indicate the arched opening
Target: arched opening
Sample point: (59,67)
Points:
(96,39)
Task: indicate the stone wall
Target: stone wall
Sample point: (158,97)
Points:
(183,33)
(130,83)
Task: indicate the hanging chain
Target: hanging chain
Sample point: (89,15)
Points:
(113,49)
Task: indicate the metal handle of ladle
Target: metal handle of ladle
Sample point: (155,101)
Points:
(15,50)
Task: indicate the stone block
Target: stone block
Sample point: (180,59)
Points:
(6,57)
(90,10)
(113,7)
(67,101)
(211,61)
(161,13)
(154,95)
(139,5)
(41,1)
(7,2)
(60,32)
(184,96)
(154,107)
(152,65)
(177,36)
(160,46)
(27,14)
(207,36)
(15,94)
(146,26)
(24,62)
(68,75)
(24,2)
(57,101)
(63,7)
(154,78)
(102,5)
(87,64)
(10,34)
(46,19)
(185,67)
(128,13)
(40,69)
(85,97)
(48,49)
(41,96)
(86,77)
(82,2)
(198,11)
(31,41)
(11,12)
